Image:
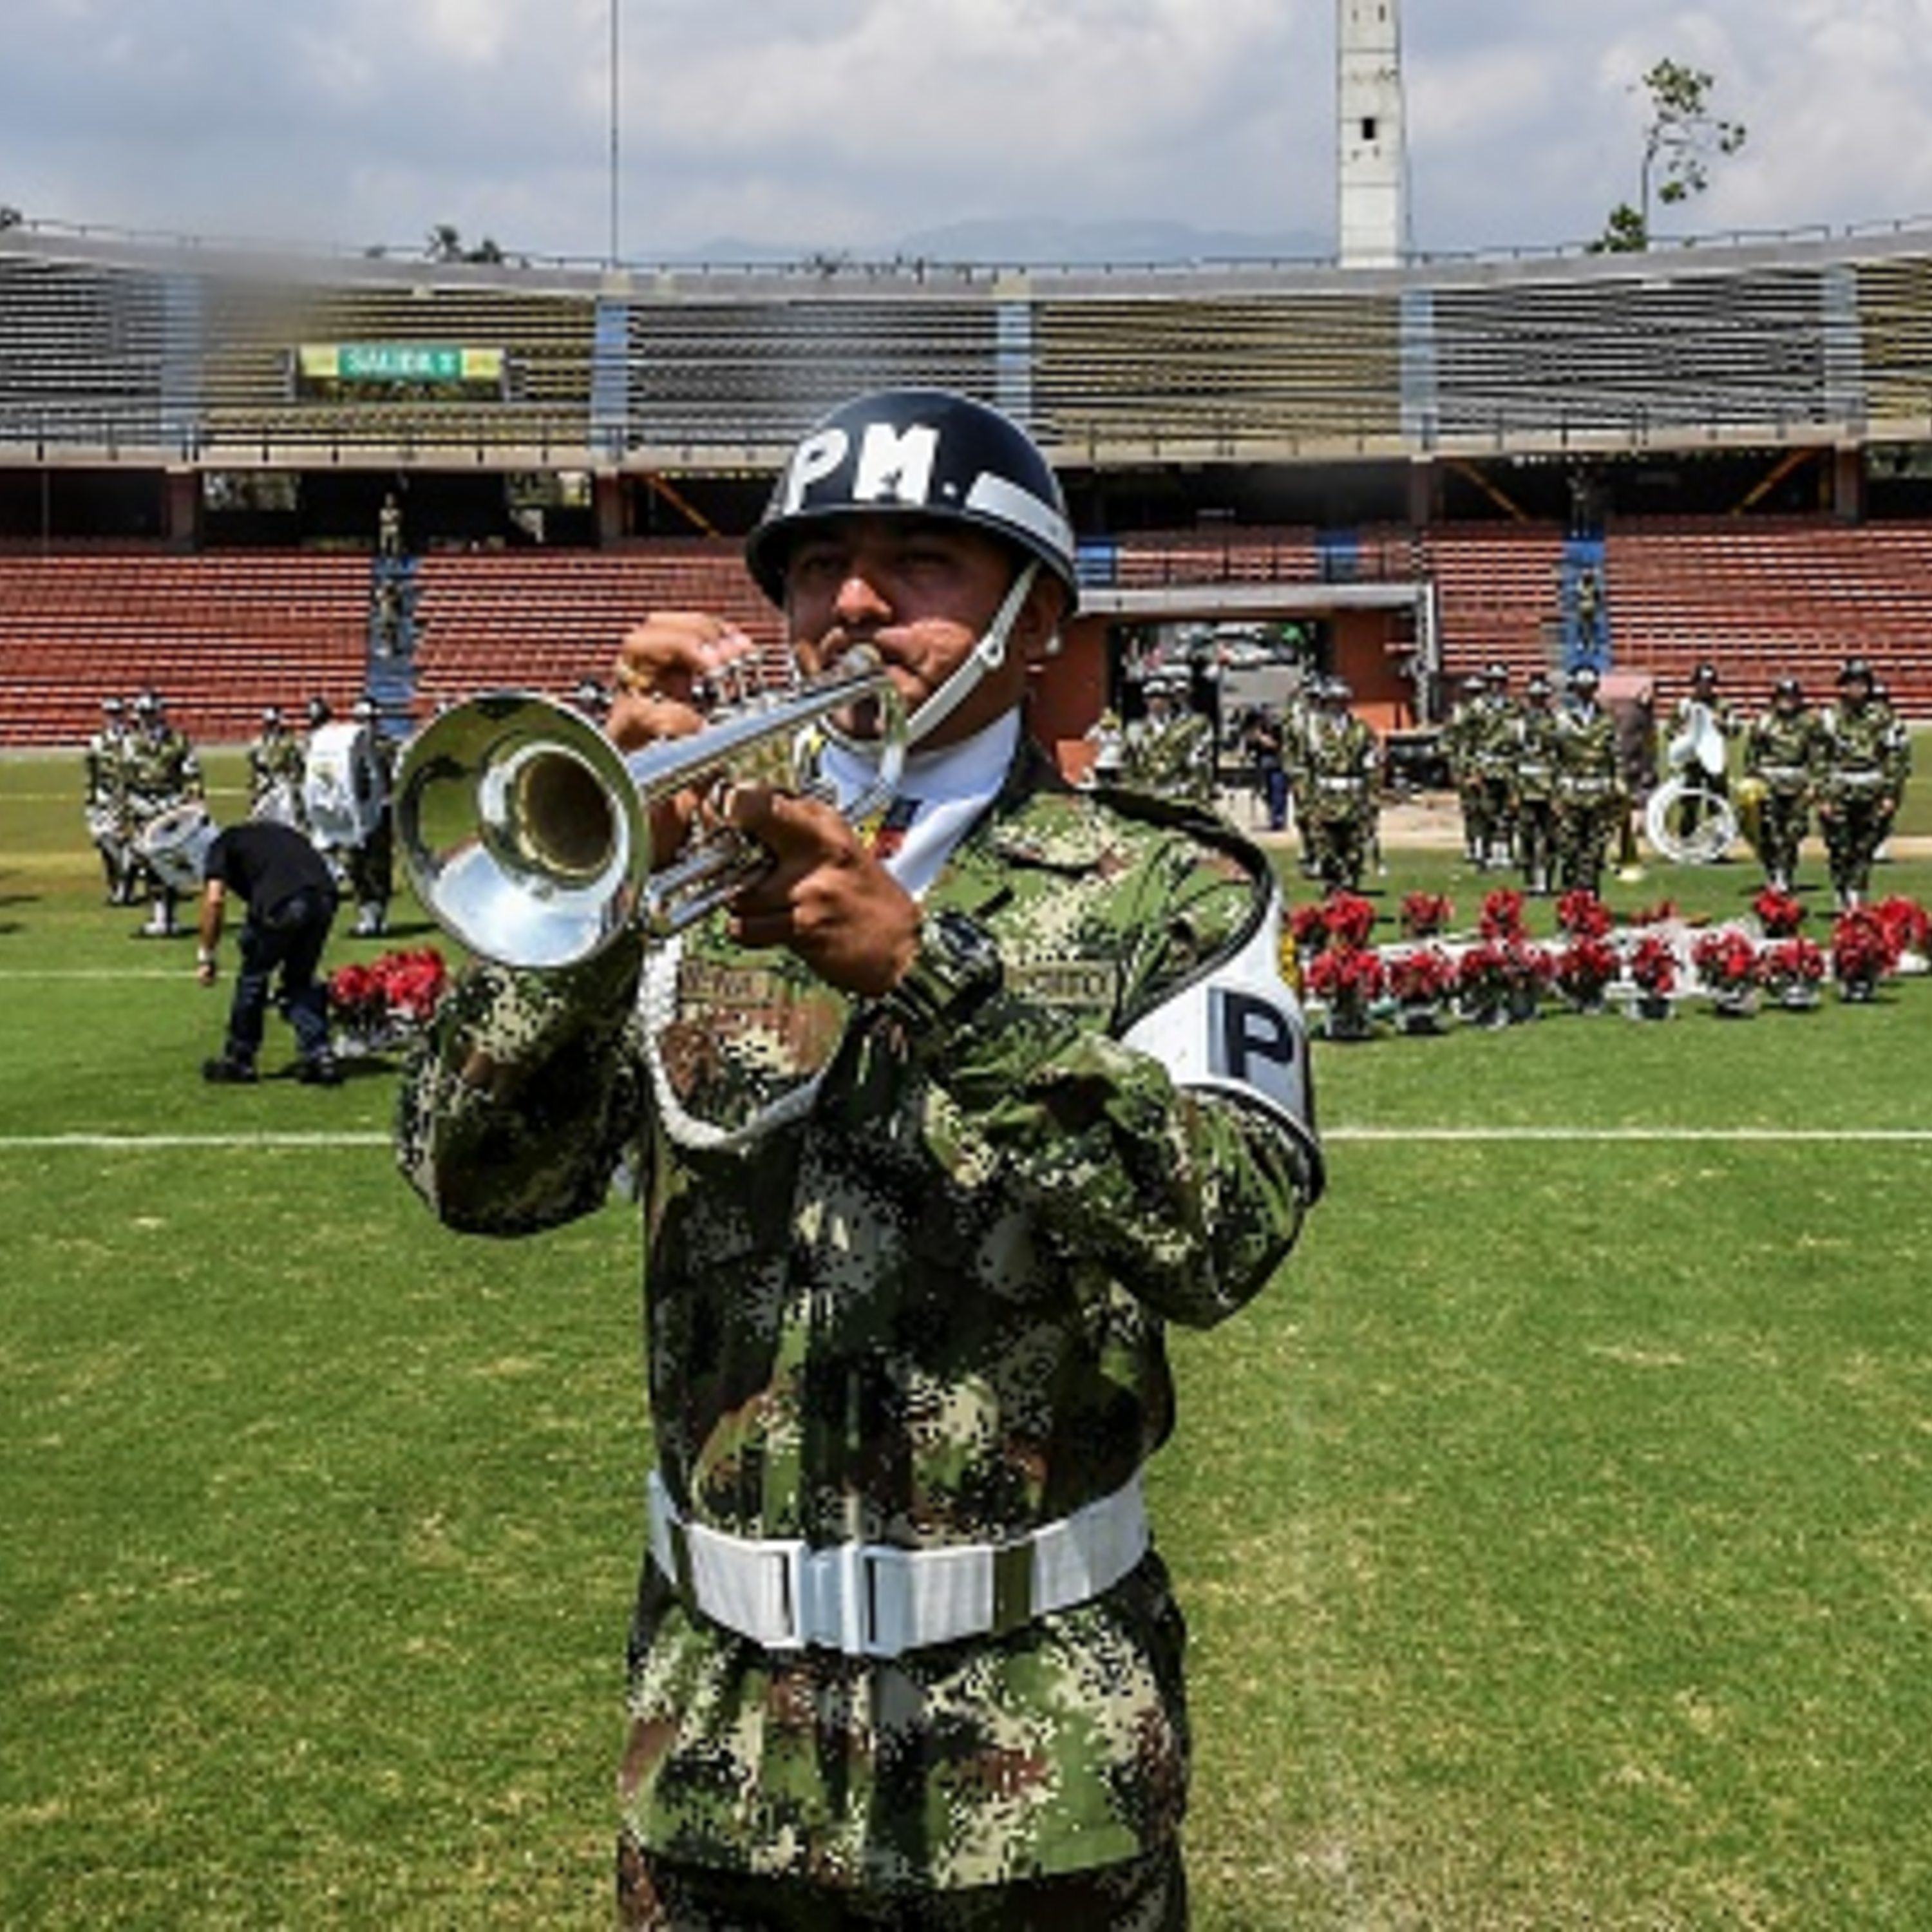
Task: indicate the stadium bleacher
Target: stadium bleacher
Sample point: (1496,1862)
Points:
(1301,410)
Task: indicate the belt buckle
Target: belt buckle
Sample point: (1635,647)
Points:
(830,1599)
(853,1597)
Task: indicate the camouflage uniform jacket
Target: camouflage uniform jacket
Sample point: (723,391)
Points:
(1342,755)
(1534,774)
(105,760)
(1172,758)
(927,1309)
(275,759)
(160,769)
(1861,751)
(1493,736)
(1782,748)
(1585,744)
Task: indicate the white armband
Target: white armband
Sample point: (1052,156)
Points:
(1238,1029)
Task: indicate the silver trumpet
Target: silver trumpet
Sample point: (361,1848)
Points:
(526,833)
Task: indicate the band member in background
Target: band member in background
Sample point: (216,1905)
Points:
(1345,761)
(933,1145)
(1460,733)
(1782,751)
(1589,797)
(1533,787)
(105,802)
(1860,768)
(161,772)
(1493,737)
(1702,723)
(275,770)
(369,864)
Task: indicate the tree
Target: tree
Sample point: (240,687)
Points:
(1681,137)
(444,243)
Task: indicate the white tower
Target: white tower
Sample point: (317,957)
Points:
(1371,171)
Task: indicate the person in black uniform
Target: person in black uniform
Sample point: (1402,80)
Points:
(290,897)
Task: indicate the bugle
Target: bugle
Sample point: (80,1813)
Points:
(527,834)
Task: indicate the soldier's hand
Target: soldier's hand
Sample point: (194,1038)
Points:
(205,970)
(824,897)
(666,670)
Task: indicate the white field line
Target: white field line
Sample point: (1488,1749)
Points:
(162,1143)
(185,972)
(1666,1134)
(1392,1135)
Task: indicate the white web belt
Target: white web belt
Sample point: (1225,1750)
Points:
(873,1600)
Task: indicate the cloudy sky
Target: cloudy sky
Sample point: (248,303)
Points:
(851,124)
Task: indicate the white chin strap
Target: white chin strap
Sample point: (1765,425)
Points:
(988,655)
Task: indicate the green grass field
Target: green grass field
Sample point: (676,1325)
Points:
(1556,1533)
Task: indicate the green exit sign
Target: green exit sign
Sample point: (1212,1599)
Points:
(398,362)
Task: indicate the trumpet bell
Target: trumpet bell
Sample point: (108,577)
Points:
(527,833)
(523,830)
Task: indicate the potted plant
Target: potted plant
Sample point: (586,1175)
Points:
(1499,981)
(1790,970)
(1425,914)
(383,1005)
(1582,914)
(1652,967)
(1420,981)
(1726,964)
(1583,971)
(1862,953)
(1908,927)
(1780,913)
(1350,919)
(1502,914)
(1347,980)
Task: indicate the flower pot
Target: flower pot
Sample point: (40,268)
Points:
(1347,1023)
(1734,1003)
(1858,992)
(1647,1006)
(1419,1016)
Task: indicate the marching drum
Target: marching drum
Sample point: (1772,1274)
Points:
(175,843)
(343,788)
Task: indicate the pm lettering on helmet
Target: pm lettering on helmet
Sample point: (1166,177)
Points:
(895,466)
(816,458)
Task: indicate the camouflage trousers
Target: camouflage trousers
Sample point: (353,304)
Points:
(1584,828)
(1781,822)
(1148,1893)
(1338,845)
(1853,831)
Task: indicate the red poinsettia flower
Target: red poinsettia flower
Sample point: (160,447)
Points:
(1308,925)
(399,988)
(1502,914)
(1862,948)
(1498,969)
(355,994)
(1350,918)
(1425,914)
(1906,924)
(1582,914)
(1725,961)
(1584,967)
(1653,964)
(1422,976)
(1780,913)
(1795,962)
(1347,976)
